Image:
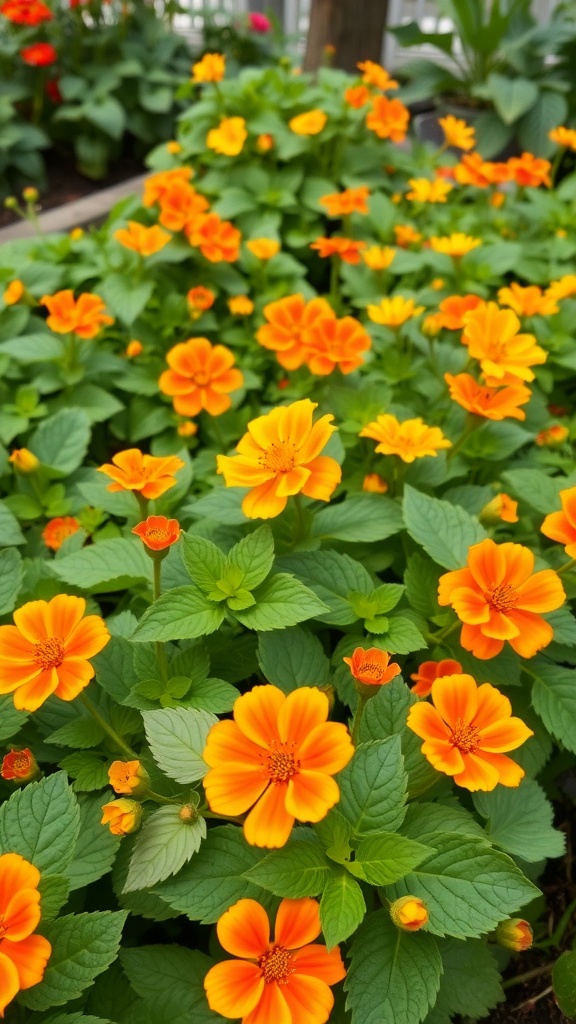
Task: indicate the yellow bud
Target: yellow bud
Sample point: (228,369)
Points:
(409,913)
(24,460)
(11,203)
(30,194)
(437,284)
(134,348)
(174,147)
(374,484)
(76,234)
(561,233)
(514,934)
(129,778)
(502,509)
(187,429)
(14,292)
(122,816)
(188,814)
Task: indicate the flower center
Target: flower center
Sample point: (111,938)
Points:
(275,965)
(20,763)
(368,668)
(280,763)
(201,378)
(157,533)
(280,457)
(465,737)
(49,653)
(503,597)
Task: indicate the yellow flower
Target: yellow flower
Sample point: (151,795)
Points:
(173,148)
(123,816)
(229,137)
(210,69)
(527,301)
(187,429)
(145,241)
(412,439)
(76,234)
(565,137)
(263,248)
(457,133)
(378,257)
(310,123)
(394,312)
(134,348)
(425,191)
(14,292)
(240,305)
(564,288)
(24,460)
(456,244)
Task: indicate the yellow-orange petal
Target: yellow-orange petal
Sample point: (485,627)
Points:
(233,788)
(269,824)
(29,957)
(443,756)
(226,743)
(297,923)
(482,647)
(328,748)
(22,915)
(303,710)
(509,773)
(88,638)
(310,795)
(9,982)
(271,1007)
(325,475)
(455,697)
(262,502)
(73,677)
(234,988)
(487,563)
(309,1000)
(542,592)
(506,734)
(32,695)
(30,619)
(426,722)
(320,962)
(256,714)
(535,633)
(15,873)
(244,930)
(478,774)
(492,706)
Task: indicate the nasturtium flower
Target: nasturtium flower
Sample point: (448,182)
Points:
(373,483)
(357,96)
(23,955)
(406,235)
(552,437)
(394,312)
(58,530)
(333,343)
(280,456)
(229,137)
(351,200)
(378,257)
(211,68)
(490,403)
(275,760)
(149,475)
(123,816)
(284,980)
(527,301)
(217,239)
(39,55)
(143,240)
(453,309)
(467,731)
(158,532)
(499,598)
(457,133)
(374,74)
(200,299)
(201,376)
(47,650)
(456,244)
(565,137)
(428,671)
(410,440)
(501,509)
(128,778)
(561,526)
(348,249)
(26,12)
(263,248)
(310,123)
(515,933)
(289,322)
(424,190)
(409,913)
(529,170)
(24,460)
(19,766)
(84,316)
(13,293)
(372,667)
(388,119)
(493,338)
(240,305)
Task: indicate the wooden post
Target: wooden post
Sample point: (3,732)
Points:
(354,27)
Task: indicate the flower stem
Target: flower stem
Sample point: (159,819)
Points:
(107,728)
(159,799)
(527,976)
(567,565)
(158,645)
(446,631)
(357,720)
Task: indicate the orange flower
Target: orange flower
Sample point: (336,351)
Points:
(335,343)
(158,533)
(357,96)
(372,667)
(240,305)
(492,337)
(280,456)
(229,137)
(133,349)
(529,301)
(145,241)
(310,123)
(528,170)
(180,205)
(58,530)
(373,483)
(428,671)
(24,460)
(388,119)
(211,68)
(561,526)
(473,169)
(201,376)
(565,137)
(411,439)
(351,200)
(491,403)
(199,300)
(264,142)
(289,322)
(277,757)
(378,257)
(498,597)
(409,913)
(284,981)
(406,235)
(149,475)
(457,133)
(158,185)
(514,934)
(454,308)
(47,650)
(84,317)
(552,437)
(23,956)
(374,74)
(20,765)
(394,312)
(423,190)
(346,248)
(263,248)
(13,293)
(456,244)
(467,732)
(562,289)
(128,777)
(218,240)
(502,508)
(122,816)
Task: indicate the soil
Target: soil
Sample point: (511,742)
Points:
(65,183)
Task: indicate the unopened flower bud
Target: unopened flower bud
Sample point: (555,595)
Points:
(76,234)
(19,766)
(552,437)
(11,203)
(188,814)
(134,348)
(188,428)
(30,194)
(373,483)
(409,913)
(502,509)
(173,147)
(13,292)
(514,934)
(24,460)
(122,816)
(129,778)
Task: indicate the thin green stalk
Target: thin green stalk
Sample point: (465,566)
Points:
(357,720)
(159,799)
(107,728)
(527,976)
(567,565)
(158,645)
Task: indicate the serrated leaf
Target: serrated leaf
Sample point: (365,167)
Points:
(520,821)
(83,733)
(564,982)
(281,601)
(88,769)
(61,441)
(171,980)
(445,531)
(292,657)
(11,575)
(177,737)
(385,715)
(163,846)
(96,847)
(342,908)
(53,891)
(402,636)
(299,869)
(41,822)
(424,821)
(471,982)
(109,565)
(11,720)
(332,576)
(554,700)
(363,518)
(182,614)
(373,787)
(254,556)
(10,532)
(205,562)
(385,858)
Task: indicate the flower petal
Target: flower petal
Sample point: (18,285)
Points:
(269,824)
(311,795)
(297,923)
(234,988)
(29,957)
(487,563)
(272,1007)
(510,773)
(22,915)
(262,502)
(232,789)
(87,639)
(443,756)
(30,619)
(63,615)
(227,743)
(492,706)
(478,774)
(9,982)
(327,748)
(482,647)
(535,633)
(310,1000)
(426,722)
(543,592)
(256,714)
(32,695)
(455,697)
(320,962)
(73,677)
(304,709)
(244,930)
(503,735)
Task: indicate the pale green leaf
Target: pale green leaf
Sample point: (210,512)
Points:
(177,737)
(373,787)
(342,907)
(445,531)
(182,614)
(520,821)
(163,846)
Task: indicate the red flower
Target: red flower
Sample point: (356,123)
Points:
(259,22)
(39,55)
(26,12)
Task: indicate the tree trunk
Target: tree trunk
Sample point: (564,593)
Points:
(354,27)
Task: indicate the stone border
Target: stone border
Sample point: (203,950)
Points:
(78,213)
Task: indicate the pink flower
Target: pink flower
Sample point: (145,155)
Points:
(259,22)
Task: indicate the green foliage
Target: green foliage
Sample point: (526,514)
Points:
(373,787)
(42,823)
(164,845)
(177,737)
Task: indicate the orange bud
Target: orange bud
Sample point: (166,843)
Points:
(552,437)
(173,147)
(188,428)
(514,934)
(409,913)
(134,348)
(24,460)
(19,766)
(129,777)
(264,143)
(502,509)
(14,292)
(374,484)
(122,816)
(240,305)
(158,532)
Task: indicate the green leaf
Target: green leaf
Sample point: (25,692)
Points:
(373,787)
(512,97)
(115,669)
(114,564)
(96,847)
(108,114)
(554,700)
(205,562)
(163,846)
(254,556)
(333,577)
(182,614)
(83,945)
(41,822)
(292,657)
(564,625)
(549,110)
(564,982)
(11,720)
(385,715)
(61,441)
(362,518)
(11,575)
(88,769)
(53,891)
(82,732)
(385,858)
(125,298)
(299,869)
(393,975)
(445,531)
(403,636)
(424,821)
(171,980)
(342,907)
(281,601)
(534,487)
(33,348)
(10,532)
(467,887)
(215,878)
(471,982)
(520,821)
(177,737)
